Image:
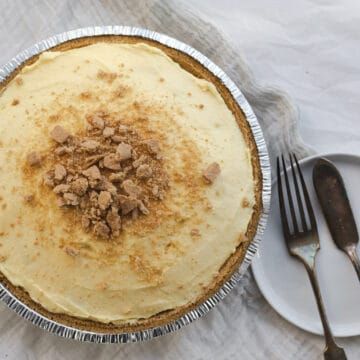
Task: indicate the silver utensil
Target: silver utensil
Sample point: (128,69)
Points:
(331,192)
(302,240)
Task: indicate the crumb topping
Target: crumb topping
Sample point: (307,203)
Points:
(211,172)
(59,134)
(34,158)
(29,198)
(195,232)
(101,178)
(245,203)
(19,81)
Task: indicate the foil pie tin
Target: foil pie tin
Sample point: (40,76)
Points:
(73,333)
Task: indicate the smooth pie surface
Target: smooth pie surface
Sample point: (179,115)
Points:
(159,263)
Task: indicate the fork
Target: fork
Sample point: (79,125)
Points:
(302,240)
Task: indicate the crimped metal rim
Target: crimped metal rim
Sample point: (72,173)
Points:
(72,333)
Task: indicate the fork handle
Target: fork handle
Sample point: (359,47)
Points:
(332,350)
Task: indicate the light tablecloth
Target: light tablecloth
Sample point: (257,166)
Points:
(244,326)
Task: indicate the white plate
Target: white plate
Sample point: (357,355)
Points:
(283,280)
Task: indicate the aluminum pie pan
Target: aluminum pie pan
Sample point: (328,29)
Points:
(141,335)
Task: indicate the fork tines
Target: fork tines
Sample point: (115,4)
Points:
(302,203)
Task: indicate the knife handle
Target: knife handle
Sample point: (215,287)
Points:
(335,204)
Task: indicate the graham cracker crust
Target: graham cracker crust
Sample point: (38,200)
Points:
(232,263)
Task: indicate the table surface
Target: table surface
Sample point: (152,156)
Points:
(309,48)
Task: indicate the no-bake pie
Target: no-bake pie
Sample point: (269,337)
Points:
(130,183)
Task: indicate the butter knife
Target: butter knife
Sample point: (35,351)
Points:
(331,192)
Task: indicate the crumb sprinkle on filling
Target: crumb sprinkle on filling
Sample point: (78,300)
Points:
(106,174)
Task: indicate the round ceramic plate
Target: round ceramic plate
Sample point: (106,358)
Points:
(283,279)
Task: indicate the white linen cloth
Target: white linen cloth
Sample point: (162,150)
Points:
(243,326)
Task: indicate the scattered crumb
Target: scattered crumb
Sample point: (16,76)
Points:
(54,118)
(108,132)
(144,171)
(211,172)
(59,134)
(195,232)
(59,172)
(96,121)
(119,92)
(71,251)
(19,81)
(106,76)
(245,203)
(86,95)
(34,159)
(102,286)
(29,198)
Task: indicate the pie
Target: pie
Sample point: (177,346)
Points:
(130,184)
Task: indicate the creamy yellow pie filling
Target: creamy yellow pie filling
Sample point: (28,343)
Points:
(162,260)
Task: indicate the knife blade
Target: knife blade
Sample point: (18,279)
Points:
(335,204)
